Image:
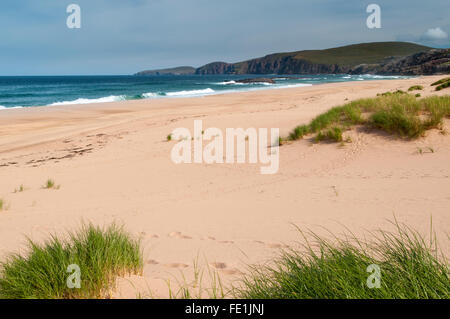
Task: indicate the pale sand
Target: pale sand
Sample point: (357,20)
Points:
(113,164)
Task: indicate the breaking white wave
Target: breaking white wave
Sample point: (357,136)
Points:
(11,107)
(106,99)
(150,95)
(229,83)
(191,93)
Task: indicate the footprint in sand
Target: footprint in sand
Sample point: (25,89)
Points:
(232,271)
(176,265)
(144,234)
(223,268)
(152,262)
(271,245)
(226,242)
(179,235)
(219,265)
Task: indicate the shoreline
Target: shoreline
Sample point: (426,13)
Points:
(112,161)
(198,92)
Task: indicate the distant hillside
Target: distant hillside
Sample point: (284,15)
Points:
(435,61)
(182,70)
(336,60)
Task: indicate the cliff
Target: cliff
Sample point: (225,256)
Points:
(345,59)
(383,58)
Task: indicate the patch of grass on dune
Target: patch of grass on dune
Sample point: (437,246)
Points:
(396,113)
(50,184)
(101,254)
(442,84)
(441,81)
(410,268)
(2,204)
(415,88)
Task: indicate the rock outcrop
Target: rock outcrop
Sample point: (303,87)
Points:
(424,63)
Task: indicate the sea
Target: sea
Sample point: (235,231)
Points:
(39,91)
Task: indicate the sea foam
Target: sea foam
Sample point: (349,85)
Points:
(112,98)
(191,93)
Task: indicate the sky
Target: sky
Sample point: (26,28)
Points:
(127,36)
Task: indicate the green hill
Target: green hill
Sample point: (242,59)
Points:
(335,60)
(365,53)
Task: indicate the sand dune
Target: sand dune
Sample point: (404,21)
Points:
(112,162)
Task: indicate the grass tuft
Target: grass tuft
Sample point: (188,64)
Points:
(333,134)
(443,86)
(101,254)
(2,204)
(410,268)
(415,88)
(441,81)
(50,184)
(396,113)
(20,189)
(169,137)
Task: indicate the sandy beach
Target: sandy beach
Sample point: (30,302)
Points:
(112,163)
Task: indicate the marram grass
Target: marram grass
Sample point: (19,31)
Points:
(101,254)
(410,268)
(397,113)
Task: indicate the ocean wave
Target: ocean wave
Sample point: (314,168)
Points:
(190,93)
(229,83)
(150,95)
(10,107)
(106,99)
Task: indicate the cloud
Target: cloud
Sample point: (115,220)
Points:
(435,34)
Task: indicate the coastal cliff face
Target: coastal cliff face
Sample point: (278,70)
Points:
(216,68)
(423,63)
(399,58)
(278,65)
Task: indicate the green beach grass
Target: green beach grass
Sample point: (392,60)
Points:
(410,268)
(101,254)
(441,81)
(50,184)
(396,113)
(415,88)
(442,84)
